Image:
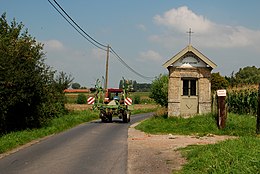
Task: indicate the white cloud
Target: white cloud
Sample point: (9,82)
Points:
(182,19)
(141,27)
(53,45)
(206,33)
(150,55)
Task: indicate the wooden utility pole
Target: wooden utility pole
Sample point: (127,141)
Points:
(106,82)
(258,113)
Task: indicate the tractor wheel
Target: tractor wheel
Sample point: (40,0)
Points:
(109,117)
(102,117)
(126,116)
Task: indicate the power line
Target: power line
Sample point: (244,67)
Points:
(127,66)
(92,41)
(78,25)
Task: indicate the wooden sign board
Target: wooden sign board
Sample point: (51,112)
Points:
(221,93)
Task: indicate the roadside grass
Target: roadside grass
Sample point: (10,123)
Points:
(240,155)
(236,125)
(231,156)
(15,139)
(144,110)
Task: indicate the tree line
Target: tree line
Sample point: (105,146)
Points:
(136,87)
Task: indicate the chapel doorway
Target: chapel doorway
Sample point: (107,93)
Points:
(189,97)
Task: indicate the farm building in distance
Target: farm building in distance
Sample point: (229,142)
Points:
(76,90)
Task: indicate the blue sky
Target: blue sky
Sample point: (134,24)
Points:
(144,33)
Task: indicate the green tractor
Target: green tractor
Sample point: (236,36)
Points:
(112,102)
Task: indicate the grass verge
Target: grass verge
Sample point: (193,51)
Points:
(233,156)
(236,125)
(15,139)
(239,155)
(144,110)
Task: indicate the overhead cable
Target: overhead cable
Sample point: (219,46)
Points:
(126,65)
(91,39)
(78,28)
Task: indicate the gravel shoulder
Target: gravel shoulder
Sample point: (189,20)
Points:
(158,153)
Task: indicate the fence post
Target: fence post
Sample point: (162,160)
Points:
(222,111)
(258,113)
(214,109)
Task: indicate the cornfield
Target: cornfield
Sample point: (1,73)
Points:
(243,101)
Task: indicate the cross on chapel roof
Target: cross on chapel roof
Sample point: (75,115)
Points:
(190,33)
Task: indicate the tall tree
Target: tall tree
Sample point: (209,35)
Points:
(218,82)
(75,86)
(248,75)
(63,81)
(28,95)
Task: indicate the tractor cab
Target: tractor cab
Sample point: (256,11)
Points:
(113,94)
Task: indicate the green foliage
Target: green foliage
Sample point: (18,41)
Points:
(243,101)
(144,110)
(62,81)
(237,125)
(143,87)
(75,86)
(136,87)
(218,82)
(29,93)
(81,99)
(14,139)
(232,156)
(137,99)
(159,90)
(246,75)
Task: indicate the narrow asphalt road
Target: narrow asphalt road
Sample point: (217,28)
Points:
(89,148)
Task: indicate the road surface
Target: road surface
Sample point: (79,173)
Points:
(92,147)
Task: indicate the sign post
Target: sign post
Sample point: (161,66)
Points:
(222,110)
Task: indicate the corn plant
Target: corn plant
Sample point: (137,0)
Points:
(243,101)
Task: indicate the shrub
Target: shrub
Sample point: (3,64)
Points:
(162,112)
(81,99)
(159,90)
(137,99)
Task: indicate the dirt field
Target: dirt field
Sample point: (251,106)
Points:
(158,154)
(77,107)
